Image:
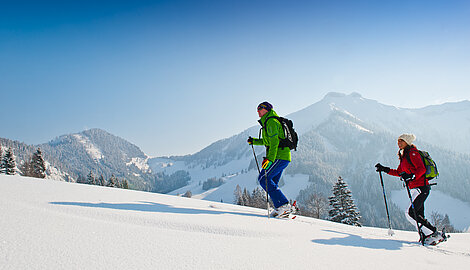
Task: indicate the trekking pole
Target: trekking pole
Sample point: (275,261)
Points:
(390,231)
(265,176)
(421,236)
(267,198)
(256,159)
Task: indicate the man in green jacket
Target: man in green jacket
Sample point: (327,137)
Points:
(276,159)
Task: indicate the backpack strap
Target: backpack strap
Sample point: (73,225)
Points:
(407,156)
(265,122)
(409,160)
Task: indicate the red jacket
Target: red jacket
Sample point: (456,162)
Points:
(416,167)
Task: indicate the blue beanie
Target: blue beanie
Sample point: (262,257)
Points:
(265,105)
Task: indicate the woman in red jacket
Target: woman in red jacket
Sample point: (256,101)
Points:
(412,170)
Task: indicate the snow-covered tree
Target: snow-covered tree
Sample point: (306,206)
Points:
(237,194)
(343,209)
(90,179)
(2,169)
(125,184)
(212,183)
(26,168)
(246,198)
(38,166)
(188,194)
(8,164)
(113,181)
(258,198)
(101,181)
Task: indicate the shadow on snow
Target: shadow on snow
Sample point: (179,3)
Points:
(153,207)
(352,240)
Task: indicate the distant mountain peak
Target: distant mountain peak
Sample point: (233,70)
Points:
(95,131)
(331,95)
(334,95)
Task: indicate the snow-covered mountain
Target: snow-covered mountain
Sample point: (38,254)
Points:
(341,135)
(102,153)
(55,225)
(446,125)
(92,150)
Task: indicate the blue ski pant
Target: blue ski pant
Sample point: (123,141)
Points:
(274,175)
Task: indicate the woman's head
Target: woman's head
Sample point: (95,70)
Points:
(406,139)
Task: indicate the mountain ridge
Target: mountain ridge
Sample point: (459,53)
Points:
(340,135)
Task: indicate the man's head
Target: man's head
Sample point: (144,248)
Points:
(264,108)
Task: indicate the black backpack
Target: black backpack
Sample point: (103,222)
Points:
(291,139)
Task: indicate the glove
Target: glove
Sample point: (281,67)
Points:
(407,176)
(250,140)
(266,164)
(380,168)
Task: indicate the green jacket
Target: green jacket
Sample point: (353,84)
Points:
(271,136)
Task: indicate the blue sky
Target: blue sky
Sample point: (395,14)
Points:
(174,76)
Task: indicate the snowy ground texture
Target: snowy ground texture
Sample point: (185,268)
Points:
(47,224)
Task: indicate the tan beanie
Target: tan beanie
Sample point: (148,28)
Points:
(408,138)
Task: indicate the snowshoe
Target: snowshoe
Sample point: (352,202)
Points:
(287,211)
(436,238)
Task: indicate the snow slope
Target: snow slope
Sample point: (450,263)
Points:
(48,224)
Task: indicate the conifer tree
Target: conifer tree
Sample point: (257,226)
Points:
(447,225)
(238,195)
(9,163)
(246,198)
(125,184)
(81,180)
(343,209)
(258,198)
(118,183)
(2,169)
(112,181)
(188,194)
(38,166)
(90,179)
(101,181)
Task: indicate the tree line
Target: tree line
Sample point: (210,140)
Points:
(340,206)
(113,181)
(34,167)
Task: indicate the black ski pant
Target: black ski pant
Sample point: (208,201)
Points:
(419,196)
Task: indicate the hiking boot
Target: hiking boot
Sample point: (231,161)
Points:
(284,210)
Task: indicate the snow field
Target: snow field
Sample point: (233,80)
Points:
(48,224)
